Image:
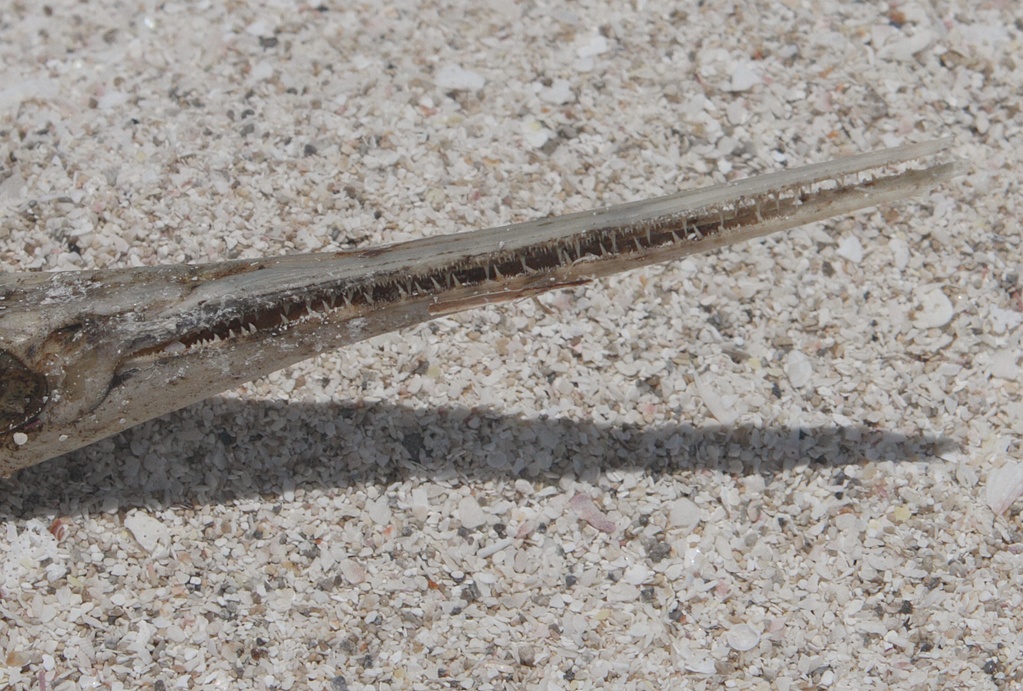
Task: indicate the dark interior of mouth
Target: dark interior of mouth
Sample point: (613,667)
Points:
(207,324)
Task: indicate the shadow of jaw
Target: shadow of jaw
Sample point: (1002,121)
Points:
(242,449)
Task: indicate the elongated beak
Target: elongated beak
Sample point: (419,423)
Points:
(85,355)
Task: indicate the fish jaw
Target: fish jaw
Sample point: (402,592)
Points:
(85,355)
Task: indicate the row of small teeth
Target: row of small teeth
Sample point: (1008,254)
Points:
(567,253)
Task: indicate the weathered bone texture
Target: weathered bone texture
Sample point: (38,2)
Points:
(85,355)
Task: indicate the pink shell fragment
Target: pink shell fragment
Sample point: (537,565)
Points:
(1004,486)
(525,530)
(588,511)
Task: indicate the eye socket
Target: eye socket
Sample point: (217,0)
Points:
(22,393)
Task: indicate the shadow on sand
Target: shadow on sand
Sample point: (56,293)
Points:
(227,450)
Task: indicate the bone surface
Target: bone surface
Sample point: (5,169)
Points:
(85,355)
